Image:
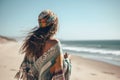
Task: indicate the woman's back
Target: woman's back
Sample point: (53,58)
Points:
(48,44)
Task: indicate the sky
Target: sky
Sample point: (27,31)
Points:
(78,19)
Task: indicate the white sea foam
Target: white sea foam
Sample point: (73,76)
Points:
(92,50)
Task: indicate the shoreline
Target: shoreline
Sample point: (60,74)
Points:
(82,68)
(98,60)
(94,70)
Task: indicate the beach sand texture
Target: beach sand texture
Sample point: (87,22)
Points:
(82,69)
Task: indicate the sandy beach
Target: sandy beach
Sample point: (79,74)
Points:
(82,69)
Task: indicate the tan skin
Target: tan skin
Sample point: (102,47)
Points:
(50,43)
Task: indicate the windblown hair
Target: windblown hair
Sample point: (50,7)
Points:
(35,41)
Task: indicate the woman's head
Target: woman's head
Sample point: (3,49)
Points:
(48,19)
(35,41)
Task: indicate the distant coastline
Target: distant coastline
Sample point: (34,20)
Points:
(4,39)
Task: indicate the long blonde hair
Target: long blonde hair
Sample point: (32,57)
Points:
(34,43)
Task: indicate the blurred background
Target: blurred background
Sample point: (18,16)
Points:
(90,28)
(78,19)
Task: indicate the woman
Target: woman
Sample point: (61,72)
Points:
(43,54)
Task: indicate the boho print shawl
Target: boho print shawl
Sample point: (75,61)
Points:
(50,66)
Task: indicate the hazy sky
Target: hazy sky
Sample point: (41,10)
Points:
(78,19)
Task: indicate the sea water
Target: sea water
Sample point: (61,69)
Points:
(101,50)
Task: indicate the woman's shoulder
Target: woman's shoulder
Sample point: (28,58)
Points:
(50,43)
(53,41)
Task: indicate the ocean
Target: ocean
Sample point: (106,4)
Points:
(102,50)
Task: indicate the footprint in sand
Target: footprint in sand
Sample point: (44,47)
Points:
(13,70)
(109,73)
(93,74)
(3,66)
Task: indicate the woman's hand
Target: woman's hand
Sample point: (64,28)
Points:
(66,55)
